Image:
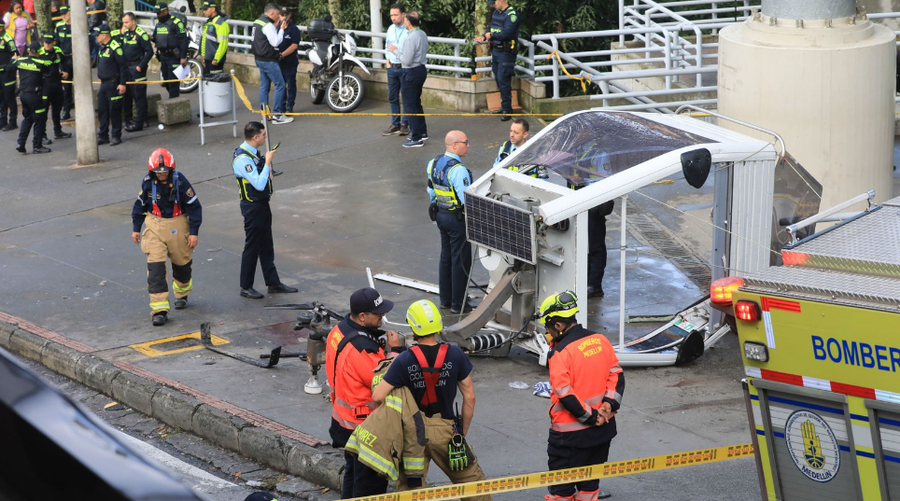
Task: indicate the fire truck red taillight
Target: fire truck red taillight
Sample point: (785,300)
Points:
(747,311)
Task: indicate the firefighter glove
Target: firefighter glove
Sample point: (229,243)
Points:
(458,452)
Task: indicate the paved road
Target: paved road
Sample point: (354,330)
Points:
(349,199)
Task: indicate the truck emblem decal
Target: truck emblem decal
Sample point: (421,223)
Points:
(812,445)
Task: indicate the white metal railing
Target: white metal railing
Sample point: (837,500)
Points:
(242,36)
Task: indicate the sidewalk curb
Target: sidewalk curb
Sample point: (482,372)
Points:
(174,406)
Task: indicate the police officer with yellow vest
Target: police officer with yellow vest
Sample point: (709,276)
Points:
(32,70)
(170,37)
(504,39)
(7,81)
(113,76)
(138,51)
(214,45)
(518,134)
(63,31)
(448,180)
(53,85)
(253,172)
(587,385)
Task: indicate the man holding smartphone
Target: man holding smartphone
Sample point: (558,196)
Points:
(253,172)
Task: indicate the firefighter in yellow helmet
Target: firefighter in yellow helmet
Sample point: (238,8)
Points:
(586,387)
(433,372)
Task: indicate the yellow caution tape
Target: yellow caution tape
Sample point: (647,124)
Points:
(146,82)
(241,94)
(568,476)
(582,80)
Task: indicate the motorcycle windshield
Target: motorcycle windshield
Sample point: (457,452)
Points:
(587,147)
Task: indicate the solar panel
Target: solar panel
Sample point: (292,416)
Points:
(500,227)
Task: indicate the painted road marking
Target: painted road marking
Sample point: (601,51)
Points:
(149,350)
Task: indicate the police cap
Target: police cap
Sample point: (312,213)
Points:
(63,9)
(49,38)
(161,6)
(35,46)
(208,5)
(104,29)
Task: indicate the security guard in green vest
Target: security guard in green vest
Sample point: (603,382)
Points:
(53,84)
(214,45)
(7,81)
(32,69)
(63,31)
(138,51)
(113,76)
(170,37)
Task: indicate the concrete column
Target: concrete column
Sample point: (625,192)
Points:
(809,10)
(85,133)
(376,27)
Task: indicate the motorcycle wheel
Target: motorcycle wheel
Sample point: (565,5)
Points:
(350,98)
(196,67)
(317,94)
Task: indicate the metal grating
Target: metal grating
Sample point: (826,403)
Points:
(500,227)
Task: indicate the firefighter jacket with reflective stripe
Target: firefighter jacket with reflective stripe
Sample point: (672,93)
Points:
(260,47)
(445,195)
(171,38)
(392,438)
(248,192)
(111,65)
(138,49)
(215,38)
(351,356)
(7,49)
(584,373)
(167,200)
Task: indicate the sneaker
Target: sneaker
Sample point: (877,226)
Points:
(423,138)
(281,119)
(181,303)
(404,130)
(413,144)
(42,149)
(47,140)
(62,135)
(10,127)
(115,141)
(390,131)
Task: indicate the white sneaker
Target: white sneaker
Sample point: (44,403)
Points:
(281,119)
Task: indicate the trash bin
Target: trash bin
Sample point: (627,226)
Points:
(217,98)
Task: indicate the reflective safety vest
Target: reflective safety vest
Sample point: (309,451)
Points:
(583,364)
(392,438)
(260,47)
(215,38)
(445,195)
(173,194)
(167,35)
(248,192)
(350,359)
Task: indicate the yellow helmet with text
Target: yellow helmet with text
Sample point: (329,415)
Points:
(564,304)
(424,318)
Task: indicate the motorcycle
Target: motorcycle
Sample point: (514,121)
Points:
(193,61)
(333,58)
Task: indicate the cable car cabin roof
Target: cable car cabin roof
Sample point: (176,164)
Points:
(587,146)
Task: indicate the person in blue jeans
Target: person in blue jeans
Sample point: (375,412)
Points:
(413,57)
(396,35)
(268,33)
(289,60)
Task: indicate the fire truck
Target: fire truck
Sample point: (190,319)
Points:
(820,340)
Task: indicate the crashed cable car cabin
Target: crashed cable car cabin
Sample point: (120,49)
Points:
(531,233)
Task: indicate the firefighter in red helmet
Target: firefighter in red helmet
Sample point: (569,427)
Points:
(170,212)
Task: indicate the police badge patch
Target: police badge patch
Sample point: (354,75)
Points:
(189,192)
(249,168)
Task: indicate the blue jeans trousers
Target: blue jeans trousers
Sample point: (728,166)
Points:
(270,73)
(395,82)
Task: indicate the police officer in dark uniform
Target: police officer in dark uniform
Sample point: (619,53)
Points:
(94,22)
(170,37)
(448,180)
(253,172)
(138,51)
(64,42)
(53,85)
(7,81)
(504,39)
(113,75)
(32,69)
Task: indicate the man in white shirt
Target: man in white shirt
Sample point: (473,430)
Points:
(396,35)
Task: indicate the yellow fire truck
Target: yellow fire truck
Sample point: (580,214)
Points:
(821,350)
